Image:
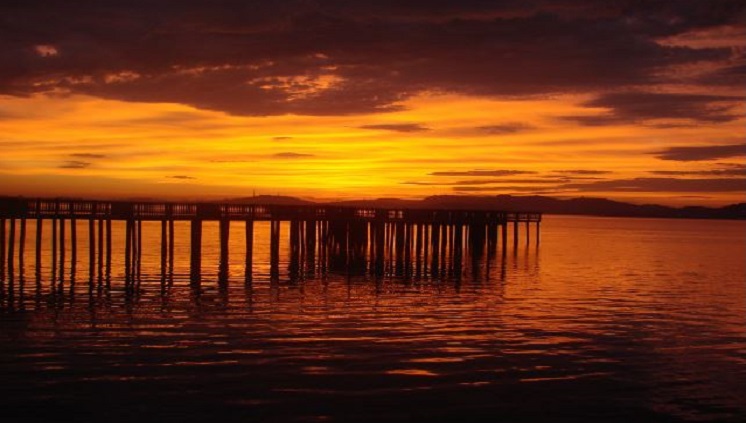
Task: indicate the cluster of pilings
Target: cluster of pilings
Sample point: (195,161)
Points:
(357,240)
(63,251)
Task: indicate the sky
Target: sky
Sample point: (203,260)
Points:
(639,101)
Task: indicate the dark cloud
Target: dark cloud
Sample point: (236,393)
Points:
(705,152)
(731,171)
(504,189)
(662,185)
(88,155)
(323,58)
(626,107)
(181,177)
(505,128)
(728,75)
(483,172)
(584,172)
(488,182)
(281,138)
(75,164)
(508,181)
(291,155)
(397,127)
(731,165)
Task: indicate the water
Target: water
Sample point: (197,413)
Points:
(608,320)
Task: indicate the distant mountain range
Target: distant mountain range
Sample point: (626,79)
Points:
(582,205)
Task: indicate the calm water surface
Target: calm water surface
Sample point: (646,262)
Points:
(608,320)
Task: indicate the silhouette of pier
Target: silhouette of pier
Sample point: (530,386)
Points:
(340,238)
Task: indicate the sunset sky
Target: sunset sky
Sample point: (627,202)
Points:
(639,101)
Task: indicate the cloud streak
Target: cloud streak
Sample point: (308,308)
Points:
(75,164)
(699,153)
(584,172)
(506,128)
(88,155)
(291,155)
(488,182)
(662,185)
(397,127)
(636,106)
(483,172)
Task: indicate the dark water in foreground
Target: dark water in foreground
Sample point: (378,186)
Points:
(609,320)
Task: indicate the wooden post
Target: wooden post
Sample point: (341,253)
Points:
(458,244)
(62,250)
(249,259)
(11,247)
(294,235)
(504,235)
(196,250)
(108,251)
(538,223)
(399,228)
(91,250)
(407,246)
(22,247)
(294,248)
(134,250)
(418,249)
(491,238)
(515,233)
(426,246)
(100,250)
(311,240)
(54,250)
(170,250)
(73,247)
(164,249)
(451,242)
(528,232)
(39,227)
(390,240)
(435,241)
(139,248)
(2,249)
(274,247)
(128,251)
(443,245)
(224,238)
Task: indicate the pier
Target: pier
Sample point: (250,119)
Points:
(358,239)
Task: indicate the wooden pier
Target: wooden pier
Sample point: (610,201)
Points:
(358,238)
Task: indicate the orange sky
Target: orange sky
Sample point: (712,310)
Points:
(68,130)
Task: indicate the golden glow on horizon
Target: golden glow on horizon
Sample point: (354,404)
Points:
(78,145)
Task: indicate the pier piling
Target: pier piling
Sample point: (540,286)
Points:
(195,266)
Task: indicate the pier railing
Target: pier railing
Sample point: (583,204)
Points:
(124,210)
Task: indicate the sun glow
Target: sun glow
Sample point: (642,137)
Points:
(177,150)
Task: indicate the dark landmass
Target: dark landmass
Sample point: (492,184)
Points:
(280,200)
(582,206)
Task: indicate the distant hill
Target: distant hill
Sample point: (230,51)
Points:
(582,205)
(280,200)
(383,203)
